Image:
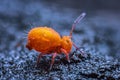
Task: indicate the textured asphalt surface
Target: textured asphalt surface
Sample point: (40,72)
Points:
(97,35)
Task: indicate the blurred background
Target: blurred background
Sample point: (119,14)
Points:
(98,31)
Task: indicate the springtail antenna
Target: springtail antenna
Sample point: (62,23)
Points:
(76,22)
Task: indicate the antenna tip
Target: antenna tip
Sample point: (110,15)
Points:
(83,14)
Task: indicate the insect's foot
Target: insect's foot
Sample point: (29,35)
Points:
(50,67)
(82,53)
(68,61)
(36,65)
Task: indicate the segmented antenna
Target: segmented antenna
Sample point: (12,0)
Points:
(76,22)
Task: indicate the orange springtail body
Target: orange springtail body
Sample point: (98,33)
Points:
(47,41)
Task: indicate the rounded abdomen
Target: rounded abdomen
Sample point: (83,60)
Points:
(43,39)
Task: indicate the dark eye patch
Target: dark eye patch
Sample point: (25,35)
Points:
(67,41)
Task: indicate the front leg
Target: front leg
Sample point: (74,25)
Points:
(67,54)
(82,53)
(53,59)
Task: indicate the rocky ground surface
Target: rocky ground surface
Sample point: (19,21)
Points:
(97,34)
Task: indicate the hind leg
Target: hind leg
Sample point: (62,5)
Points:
(38,59)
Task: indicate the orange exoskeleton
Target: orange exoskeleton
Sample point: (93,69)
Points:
(47,41)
